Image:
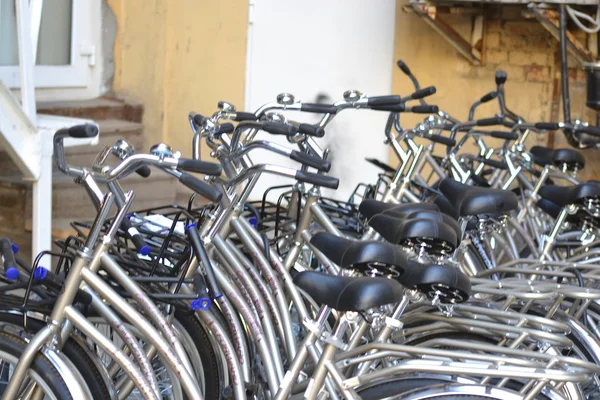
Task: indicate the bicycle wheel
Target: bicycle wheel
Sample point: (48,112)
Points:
(80,357)
(199,350)
(41,372)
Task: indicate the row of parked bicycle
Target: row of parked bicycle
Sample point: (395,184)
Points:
(460,274)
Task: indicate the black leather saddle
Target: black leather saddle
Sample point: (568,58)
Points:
(349,293)
(400,231)
(358,254)
(543,156)
(469,200)
(445,282)
(370,208)
(564,195)
(439,217)
(389,260)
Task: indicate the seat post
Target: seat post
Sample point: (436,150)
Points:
(549,240)
(317,381)
(533,195)
(391,322)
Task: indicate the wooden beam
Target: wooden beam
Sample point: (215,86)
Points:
(429,15)
(549,20)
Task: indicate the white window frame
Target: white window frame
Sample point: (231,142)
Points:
(76,74)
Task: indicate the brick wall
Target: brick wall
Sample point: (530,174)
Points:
(520,47)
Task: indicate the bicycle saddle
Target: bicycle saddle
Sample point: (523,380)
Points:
(469,200)
(370,208)
(445,282)
(543,156)
(565,195)
(399,231)
(344,293)
(437,216)
(357,254)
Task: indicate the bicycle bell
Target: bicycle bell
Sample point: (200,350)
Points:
(285,99)
(352,95)
(163,150)
(226,107)
(121,149)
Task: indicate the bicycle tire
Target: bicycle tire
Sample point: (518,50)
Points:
(208,355)
(47,375)
(72,350)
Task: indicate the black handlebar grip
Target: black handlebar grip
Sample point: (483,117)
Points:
(427,109)
(244,116)
(384,100)
(395,108)
(136,237)
(489,121)
(10,263)
(202,188)
(196,243)
(488,97)
(144,171)
(590,130)
(441,140)
(198,119)
(503,135)
(203,301)
(318,108)
(419,94)
(83,131)
(200,167)
(500,77)
(225,128)
(278,128)
(446,127)
(311,161)
(403,67)
(311,130)
(318,180)
(493,163)
(547,126)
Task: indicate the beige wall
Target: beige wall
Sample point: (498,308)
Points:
(179,56)
(522,48)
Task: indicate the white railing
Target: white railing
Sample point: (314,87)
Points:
(27,136)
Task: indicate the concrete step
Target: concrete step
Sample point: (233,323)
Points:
(71,201)
(96,109)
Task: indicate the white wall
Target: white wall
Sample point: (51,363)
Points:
(313,47)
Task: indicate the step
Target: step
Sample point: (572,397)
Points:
(182,197)
(96,109)
(71,201)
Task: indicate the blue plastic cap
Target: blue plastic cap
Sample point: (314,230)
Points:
(253,221)
(202,303)
(40,273)
(12,273)
(145,250)
(191,225)
(218,296)
(15,248)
